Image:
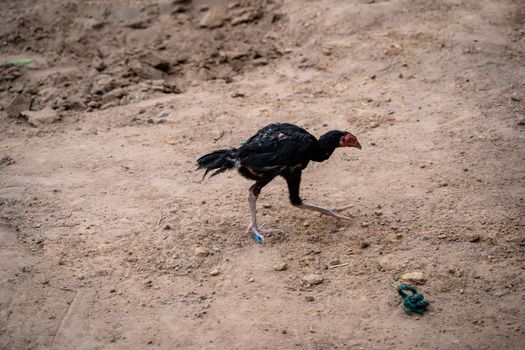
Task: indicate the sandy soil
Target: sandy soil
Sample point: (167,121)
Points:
(108,236)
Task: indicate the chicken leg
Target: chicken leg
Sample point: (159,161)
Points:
(257,232)
(327,211)
(294,181)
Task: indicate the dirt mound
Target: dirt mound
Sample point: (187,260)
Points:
(90,57)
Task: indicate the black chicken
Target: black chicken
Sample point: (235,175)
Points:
(278,149)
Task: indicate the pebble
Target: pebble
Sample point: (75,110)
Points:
(173,210)
(414,277)
(281,266)
(378,212)
(499,293)
(213,18)
(373,125)
(261,61)
(515,97)
(365,245)
(313,279)
(200,251)
(365,224)
(475,238)
(309,298)
(163,114)
(251,280)
(214,272)
(327,51)
(112,290)
(335,262)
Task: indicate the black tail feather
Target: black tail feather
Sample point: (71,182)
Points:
(221,160)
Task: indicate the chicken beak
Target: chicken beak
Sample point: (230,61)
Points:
(358,145)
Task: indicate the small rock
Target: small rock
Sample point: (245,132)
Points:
(112,290)
(365,224)
(313,279)
(515,97)
(443,184)
(214,272)
(94,104)
(214,18)
(251,280)
(113,95)
(335,262)
(173,210)
(44,116)
(200,251)
(281,266)
(327,51)
(309,298)
(167,227)
(18,104)
(378,212)
(365,245)
(261,61)
(373,125)
(238,94)
(415,277)
(103,83)
(475,238)
(144,70)
(163,114)
(499,293)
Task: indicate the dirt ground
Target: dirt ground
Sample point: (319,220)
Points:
(110,240)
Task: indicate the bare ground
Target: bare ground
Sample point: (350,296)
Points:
(102,209)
